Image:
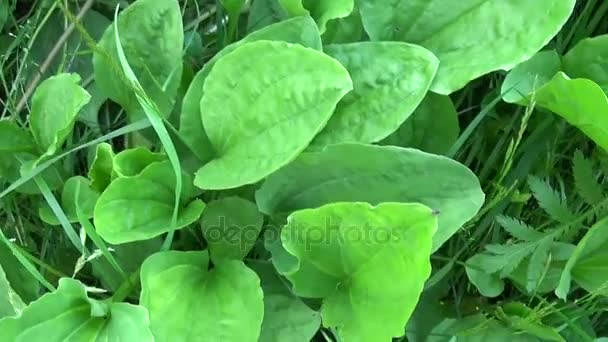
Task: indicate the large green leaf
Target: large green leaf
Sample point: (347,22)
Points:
(299,30)
(321,10)
(526,78)
(432,128)
(140,207)
(152,37)
(470,37)
(68,314)
(281,95)
(369,264)
(390,80)
(581,102)
(231,227)
(588,60)
(587,264)
(187,301)
(55,105)
(10,302)
(376,174)
(76,195)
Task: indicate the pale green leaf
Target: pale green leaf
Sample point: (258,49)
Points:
(470,37)
(390,79)
(100,172)
(299,30)
(376,174)
(281,95)
(187,301)
(55,105)
(68,314)
(488,284)
(140,207)
(133,161)
(369,264)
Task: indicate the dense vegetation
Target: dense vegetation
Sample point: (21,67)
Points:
(296,170)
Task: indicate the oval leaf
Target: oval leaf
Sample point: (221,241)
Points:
(588,60)
(140,207)
(55,105)
(299,30)
(376,174)
(390,80)
(369,264)
(226,302)
(281,95)
(68,314)
(470,37)
(526,78)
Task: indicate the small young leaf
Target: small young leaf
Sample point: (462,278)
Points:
(281,96)
(518,229)
(140,207)
(321,10)
(231,227)
(85,202)
(369,264)
(100,172)
(75,316)
(132,162)
(55,105)
(550,200)
(585,181)
(488,285)
(226,301)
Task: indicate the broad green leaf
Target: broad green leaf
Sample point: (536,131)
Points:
(369,264)
(152,36)
(70,203)
(100,172)
(231,227)
(432,128)
(55,105)
(281,96)
(299,30)
(14,139)
(10,302)
(488,285)
(376,174)
(526,78)
(587,264)
(471,37)
(581,102)
(68,314)
(132,162)
(390,80)
(588,60)
(187,301)
(286,317)
(140,207)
